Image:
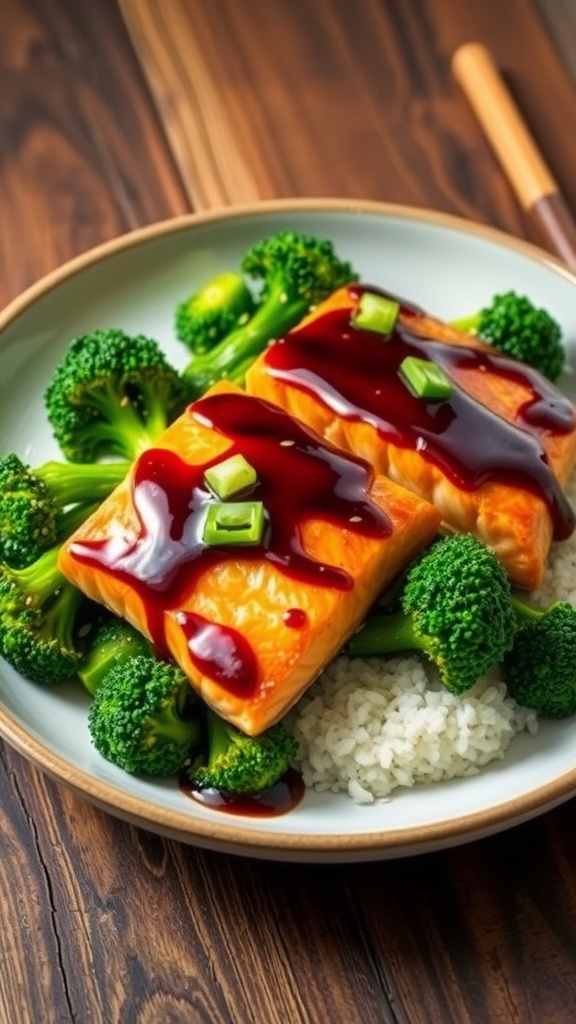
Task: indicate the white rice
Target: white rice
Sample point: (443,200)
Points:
(369,726)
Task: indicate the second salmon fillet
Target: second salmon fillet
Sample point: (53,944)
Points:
(493,456)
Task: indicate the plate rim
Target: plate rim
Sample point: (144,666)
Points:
(182,222)
(226,832)
(222,835)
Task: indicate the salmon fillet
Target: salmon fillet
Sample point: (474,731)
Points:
(251,627)
(493,460)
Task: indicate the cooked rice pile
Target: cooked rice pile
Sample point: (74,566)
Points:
(367,727)
(560,576)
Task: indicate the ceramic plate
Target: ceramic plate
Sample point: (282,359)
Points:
(446,265)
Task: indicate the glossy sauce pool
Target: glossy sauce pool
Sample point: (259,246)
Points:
(279,799)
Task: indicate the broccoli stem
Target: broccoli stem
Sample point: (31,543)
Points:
(70,482)
(384,634)
(122,426)
(237,375)
(59,618)
(113,642)
(467,324)
(168,723)
(40,579)
(220,735)
(231,357)
(524,613)
(156,404)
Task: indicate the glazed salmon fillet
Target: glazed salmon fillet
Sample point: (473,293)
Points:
(251,625)
(493,457)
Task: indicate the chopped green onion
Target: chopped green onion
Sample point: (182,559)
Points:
(230,476)
(376,313)
(234,522)
(425,378)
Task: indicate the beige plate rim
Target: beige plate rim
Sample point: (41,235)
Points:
(231,836)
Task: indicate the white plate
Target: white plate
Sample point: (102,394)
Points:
(446,265)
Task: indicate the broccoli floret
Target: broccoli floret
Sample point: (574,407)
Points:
(28,515)
(540,668)
(218,308)
(455,608)
(112,393)
(238,764)
(32,502)
(294,273)
(145,718)
(40,616)
(142,716)
(42,644)
(111,642)
(513,324)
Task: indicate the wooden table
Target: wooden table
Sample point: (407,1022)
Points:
(232,100)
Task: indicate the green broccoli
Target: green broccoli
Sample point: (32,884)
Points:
(142,716)
(238,764)
(540,668)
(112,393)
(41,615)
(219,307)
(455,609)
(295,272)
(32,502)
(112,641)
(521,330)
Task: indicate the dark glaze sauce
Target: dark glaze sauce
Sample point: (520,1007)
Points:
(284,796)
(294,618)
(355,373)
(220,652)
(299,478)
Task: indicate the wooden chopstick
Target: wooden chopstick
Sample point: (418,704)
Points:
(526,170)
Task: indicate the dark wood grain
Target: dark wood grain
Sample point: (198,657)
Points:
(103,923)
(81,155)
(348,99)
(560,20)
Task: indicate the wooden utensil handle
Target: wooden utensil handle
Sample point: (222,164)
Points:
(535,186)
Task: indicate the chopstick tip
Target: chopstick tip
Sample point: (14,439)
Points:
(468,54)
